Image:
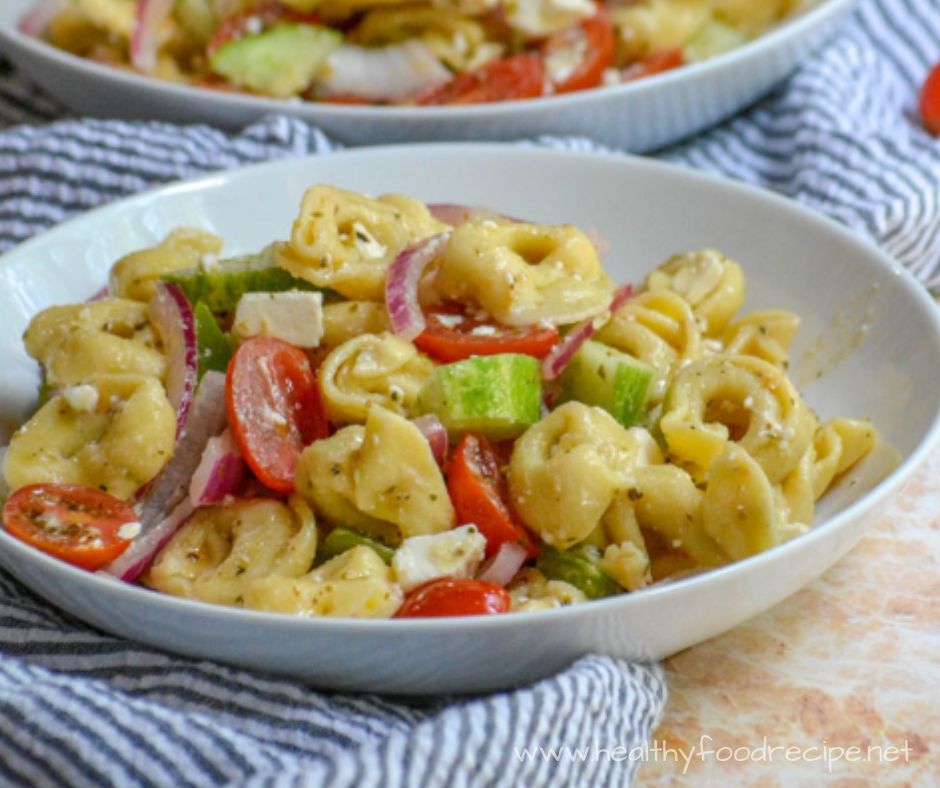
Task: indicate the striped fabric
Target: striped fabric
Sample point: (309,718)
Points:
(80,708)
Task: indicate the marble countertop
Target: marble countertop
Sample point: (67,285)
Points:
(853,660)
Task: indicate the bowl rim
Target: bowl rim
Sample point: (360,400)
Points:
(862,246)
(780,35)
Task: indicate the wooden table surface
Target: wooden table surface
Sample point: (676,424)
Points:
(853,660)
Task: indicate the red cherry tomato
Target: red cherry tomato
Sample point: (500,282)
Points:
(479,495)
(930,101)
(516,77)
(448,342)
(77,524)
(451,596)
(592,44)
(655,63)
(274,408)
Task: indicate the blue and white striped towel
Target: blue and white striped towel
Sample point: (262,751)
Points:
(79,708)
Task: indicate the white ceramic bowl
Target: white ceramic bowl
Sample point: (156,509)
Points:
(639,116)
(792,259)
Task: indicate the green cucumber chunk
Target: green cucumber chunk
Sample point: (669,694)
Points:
(342,539)
(213,346)
(220,286)
(497,396)
(713,38)
(615,381)
(577,571)
(280,62)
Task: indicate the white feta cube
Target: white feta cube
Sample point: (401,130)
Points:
(454,553)
(82,398)
(295,316)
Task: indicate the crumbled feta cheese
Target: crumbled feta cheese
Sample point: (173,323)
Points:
(367,244)
(254,25)
(450,321)
(484,331)
(82,398)
(295,316)
(129,530)
(454,553)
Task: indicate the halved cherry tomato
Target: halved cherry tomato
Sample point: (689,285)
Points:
(268,14)
(77,524)
(655,63)
(930,101)
(517,77)
(478,491)
(446,339)
(274,408)
(451,596)
(592,44)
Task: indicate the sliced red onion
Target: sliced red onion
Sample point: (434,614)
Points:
(601,244)
(173,318)
(503,566)
(401,285)
(220,471)
(37,19)
(137,557)
(145,41)
(560,356)
(389,73)
(436,434)
(206,419)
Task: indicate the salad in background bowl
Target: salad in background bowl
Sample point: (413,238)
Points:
(415,72)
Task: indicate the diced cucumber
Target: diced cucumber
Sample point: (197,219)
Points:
(713,38)
(221,286)
(497,396)
(280,62)
(576,570)
(617,382)
(214,348)
(342,539)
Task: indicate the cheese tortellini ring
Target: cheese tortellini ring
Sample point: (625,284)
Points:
(712,284)
(766,335)
(450,35)
(222,550)
(838,445)
(345,241)
(381,479)
(739,510)
(347,320)
(136,275)
(567,469)
(656,25)
(657,328)
(796,497)
(325,477)
(523,273)
(356,584)
(722,399)
(372,370)
(84,354)
(118,445)
(753,18)
(531,590)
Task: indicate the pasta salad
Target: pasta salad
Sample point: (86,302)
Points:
(426,52)
(415,410)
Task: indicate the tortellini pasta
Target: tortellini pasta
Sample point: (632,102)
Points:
(727,398)
(78,341)
(345,241)
(712,284)
(117,445)
(345,320)
(136,276)
(523,273)
(531,590)
(222,551)
(355,584)
(837,446)
(766,335)
(372,370)
(381,479)
(567,469)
